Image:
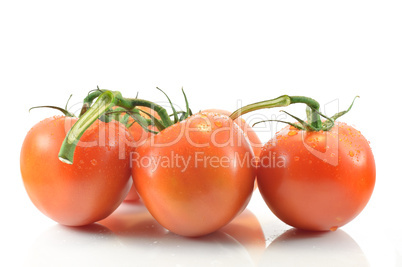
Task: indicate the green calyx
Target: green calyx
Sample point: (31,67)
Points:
(313,123)
(62,110)
(102,109)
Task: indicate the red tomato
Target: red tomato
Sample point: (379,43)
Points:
(90,189)
(140,136)
(249,132)
(195,176)
(317,180)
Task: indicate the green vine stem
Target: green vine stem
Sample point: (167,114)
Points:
(283,101)
(314,122)
(62,110)
(105,101)
(89,99)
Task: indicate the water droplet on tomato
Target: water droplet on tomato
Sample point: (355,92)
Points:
(351,153)
(94,162)
(204,128)
(218,123)
(291,133)
(333,228)
(296,158)
(332,155)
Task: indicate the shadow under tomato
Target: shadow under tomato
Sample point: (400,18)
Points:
(133,220)
(91,245)
(239,243)
(304,248)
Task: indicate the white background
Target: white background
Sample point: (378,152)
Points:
(223,53)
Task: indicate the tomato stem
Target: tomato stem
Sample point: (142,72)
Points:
(176,118)
(62,110)
(105,101)
(102,104)
(130,103)
(282,101)
(89,99)
(314,122)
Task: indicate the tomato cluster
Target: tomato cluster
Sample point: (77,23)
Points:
(194,172)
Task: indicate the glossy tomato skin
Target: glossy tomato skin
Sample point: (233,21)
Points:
(139,138)
(86,191)
(317,180)
(199,184)
(248,131)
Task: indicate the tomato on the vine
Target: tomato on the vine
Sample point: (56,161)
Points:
(195,176)
(314,175)
(87,191)
(317,180)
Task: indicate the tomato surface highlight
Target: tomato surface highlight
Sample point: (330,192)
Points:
(318,180)
(248,131)
(90,189)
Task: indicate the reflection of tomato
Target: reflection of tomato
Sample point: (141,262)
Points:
(134,224)
(246,229)
(317,180)
(196,175)
(90,189)
(308,248)
(144,237)
(139,136)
